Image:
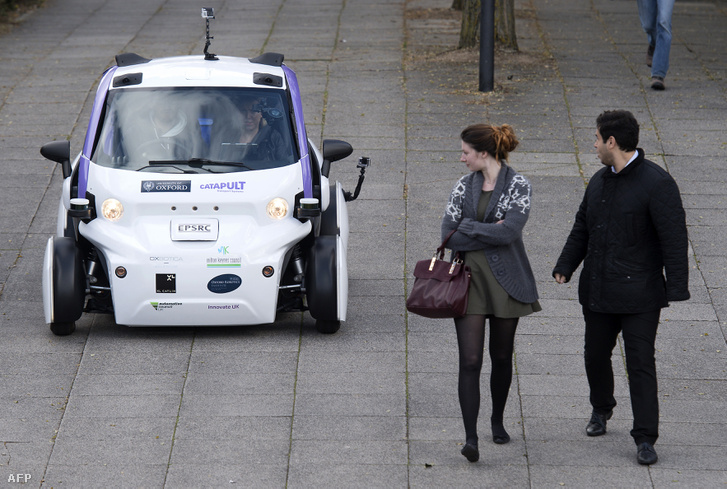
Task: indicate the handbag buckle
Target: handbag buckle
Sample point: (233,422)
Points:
(431,265)
(456,261)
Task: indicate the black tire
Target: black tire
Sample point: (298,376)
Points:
(69,286)
(321,280)
(62,329)
(327,327)
(329,218)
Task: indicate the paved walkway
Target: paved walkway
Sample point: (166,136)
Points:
(374,405)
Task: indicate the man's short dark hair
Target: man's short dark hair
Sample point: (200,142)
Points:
(622,125)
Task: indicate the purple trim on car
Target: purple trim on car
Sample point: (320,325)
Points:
(98,103)
(302,137)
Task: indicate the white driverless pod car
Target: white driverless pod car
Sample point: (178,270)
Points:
(198,200)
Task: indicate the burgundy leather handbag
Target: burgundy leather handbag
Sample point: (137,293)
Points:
(440,287)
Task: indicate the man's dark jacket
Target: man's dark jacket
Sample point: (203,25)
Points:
(629,229)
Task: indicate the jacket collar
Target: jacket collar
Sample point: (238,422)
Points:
(629,168)
(505,175)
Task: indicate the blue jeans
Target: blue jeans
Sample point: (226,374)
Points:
(655,18)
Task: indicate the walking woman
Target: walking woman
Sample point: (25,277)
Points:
(488,208)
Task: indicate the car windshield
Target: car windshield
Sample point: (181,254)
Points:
(195,130)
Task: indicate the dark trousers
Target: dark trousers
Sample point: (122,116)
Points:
(639,335)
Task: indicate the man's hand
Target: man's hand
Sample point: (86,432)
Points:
(559,278)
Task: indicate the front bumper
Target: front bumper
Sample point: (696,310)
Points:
(195,283)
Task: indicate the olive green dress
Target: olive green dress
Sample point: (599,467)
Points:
(486,295)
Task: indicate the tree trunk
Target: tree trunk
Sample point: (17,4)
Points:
(470,30)
(504,23)
(457,4)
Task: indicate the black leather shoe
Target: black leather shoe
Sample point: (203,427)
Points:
(471,452)
(645,453)
(597,424)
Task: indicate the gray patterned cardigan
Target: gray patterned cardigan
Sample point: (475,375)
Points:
(502,243)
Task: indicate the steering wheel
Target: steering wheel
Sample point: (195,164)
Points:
(175,147)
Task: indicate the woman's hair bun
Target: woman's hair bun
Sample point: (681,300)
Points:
(507,141)
(496,140)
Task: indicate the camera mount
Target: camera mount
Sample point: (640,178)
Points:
(207,14)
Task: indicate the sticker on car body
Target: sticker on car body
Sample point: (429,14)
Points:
(223,284)
(224,186)
(226,262)
(160,306)
(148,186)
(185,229)
(166,283)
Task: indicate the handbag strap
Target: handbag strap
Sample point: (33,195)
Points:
(440,250)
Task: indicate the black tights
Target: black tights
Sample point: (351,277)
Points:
(471,340)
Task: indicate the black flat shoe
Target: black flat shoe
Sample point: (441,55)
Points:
(499,434)
(471,452)
(597,424)
(645,453)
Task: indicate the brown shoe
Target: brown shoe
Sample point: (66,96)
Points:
(657,83)
(649,55)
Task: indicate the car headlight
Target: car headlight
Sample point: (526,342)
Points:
(112,209)
(277,208)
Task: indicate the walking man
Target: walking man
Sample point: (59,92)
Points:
(630,233)
(655,16)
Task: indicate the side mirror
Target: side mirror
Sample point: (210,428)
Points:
(334,150)
(60,152)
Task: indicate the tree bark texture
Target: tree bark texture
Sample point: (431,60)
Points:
(470,30)
(504,23)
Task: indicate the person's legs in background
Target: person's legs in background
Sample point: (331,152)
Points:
(655,16)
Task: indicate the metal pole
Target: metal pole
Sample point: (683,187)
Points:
(487,45)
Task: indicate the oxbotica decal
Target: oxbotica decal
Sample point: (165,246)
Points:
(148,186)
(223,284)
(237,186)
(164,260)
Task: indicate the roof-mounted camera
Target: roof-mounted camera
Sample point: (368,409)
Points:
(207,14)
